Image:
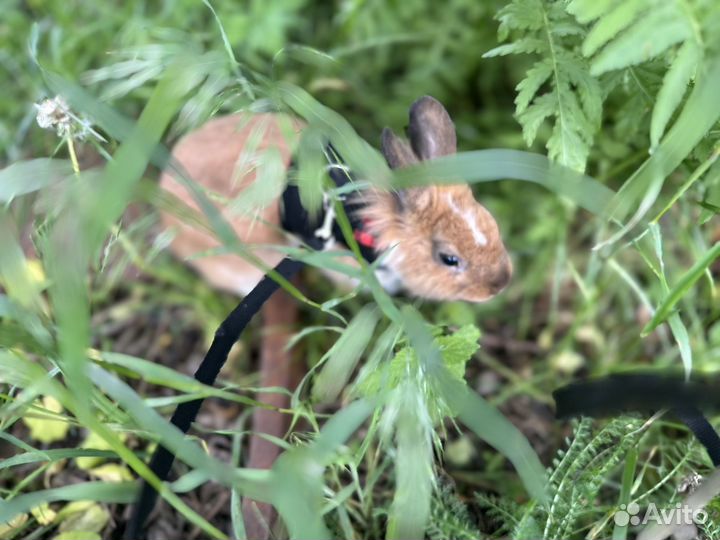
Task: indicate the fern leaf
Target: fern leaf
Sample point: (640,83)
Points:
(504,512)
(654,33)
(527,529)
(535,77)
(533,116)
(588,10)
(609,26)
(674,86)
(629,32)
(558,86)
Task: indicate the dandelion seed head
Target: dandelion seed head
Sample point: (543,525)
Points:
(55,113)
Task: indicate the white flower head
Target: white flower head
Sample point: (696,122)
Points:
(54,113)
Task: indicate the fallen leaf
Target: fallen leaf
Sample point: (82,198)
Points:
(88,520)
(112,472)
(45,427)
(43,514)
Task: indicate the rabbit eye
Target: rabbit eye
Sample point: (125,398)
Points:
(449,260)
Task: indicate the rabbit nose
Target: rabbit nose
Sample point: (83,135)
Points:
(501,277)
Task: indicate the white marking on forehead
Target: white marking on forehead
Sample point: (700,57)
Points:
(469,217)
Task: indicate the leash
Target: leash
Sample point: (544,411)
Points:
(185,413)
(640,392)
(295,220)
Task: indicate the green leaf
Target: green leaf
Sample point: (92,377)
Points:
(95,491)
(681,287)
(52,455)
(311,169)
(173,438)
(296,484)
(15,274)
(360,157)
(661,26)
(674,86)
(699,114)
(489,165)
(574,97)
(81,229)
(344,355)
(492,427)
(170,378)
(455,350)
(414,476)
(589,10)
(122,128)
(23,177)
(610,25)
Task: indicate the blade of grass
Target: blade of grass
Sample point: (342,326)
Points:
(110,492)
(620,531)
(23,177)
(120,128)
(486,421)
(414,477)
(344,355)
(686,281)
(491,165)
(30,376)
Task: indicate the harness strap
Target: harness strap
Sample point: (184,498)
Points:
(635,392)
(296,220)
(225,336)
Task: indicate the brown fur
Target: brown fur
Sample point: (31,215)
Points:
(410,236)
(209,155)
(417,223)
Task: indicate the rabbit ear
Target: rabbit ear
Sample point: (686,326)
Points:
(431,131)
(396,151)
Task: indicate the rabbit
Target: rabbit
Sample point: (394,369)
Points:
(434,242)
(442,243)
(439,242)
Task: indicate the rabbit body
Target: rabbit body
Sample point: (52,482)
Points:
(436,242)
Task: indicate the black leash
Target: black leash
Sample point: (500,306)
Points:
(704,432)
(295,220)
(644,392)
(225,336)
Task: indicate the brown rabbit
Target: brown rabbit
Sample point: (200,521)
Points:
(437,242)
(443,244)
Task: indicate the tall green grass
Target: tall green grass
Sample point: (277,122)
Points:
(592,272)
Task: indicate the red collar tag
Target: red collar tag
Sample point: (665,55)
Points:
(363,237)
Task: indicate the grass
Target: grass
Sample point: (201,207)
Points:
(405,428)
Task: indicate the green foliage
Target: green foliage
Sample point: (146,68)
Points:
(456,349)
(576,478)
(450,518)
(573,97)
(629,33)
(647,71)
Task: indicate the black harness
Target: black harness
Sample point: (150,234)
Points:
(296,220)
